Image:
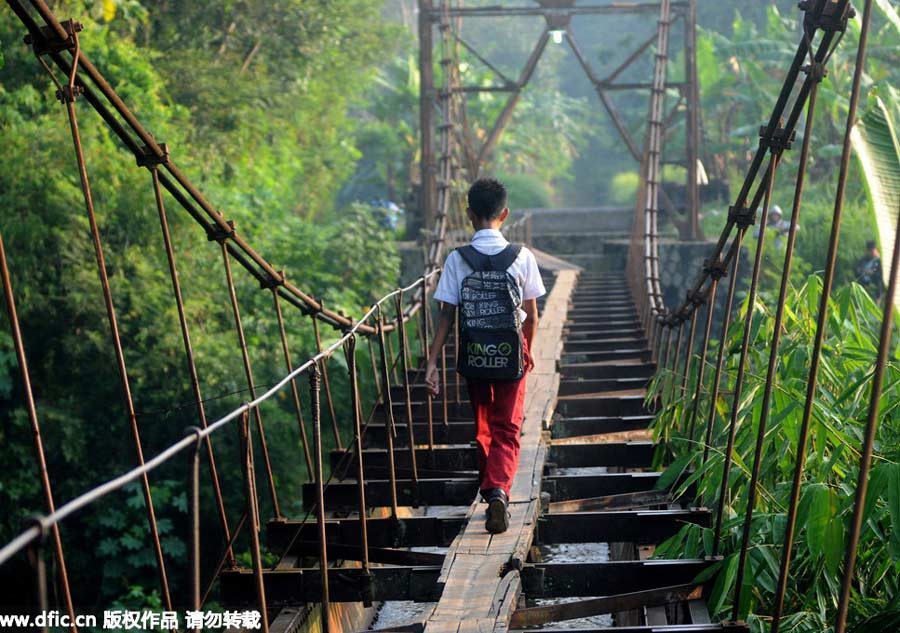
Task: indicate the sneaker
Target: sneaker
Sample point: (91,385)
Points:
(497,513)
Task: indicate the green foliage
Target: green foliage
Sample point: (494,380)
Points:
(624,186)
(526,191)
(878,152)
(254,102)
(832,458)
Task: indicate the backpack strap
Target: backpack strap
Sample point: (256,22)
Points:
(505,258)
(476,260)
(480,262)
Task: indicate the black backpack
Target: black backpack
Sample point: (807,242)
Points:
(490,333)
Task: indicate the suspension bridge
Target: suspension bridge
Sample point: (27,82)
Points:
(396,518)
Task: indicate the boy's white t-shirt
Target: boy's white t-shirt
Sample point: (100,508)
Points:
(490,242)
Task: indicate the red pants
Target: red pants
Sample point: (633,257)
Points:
(499,409)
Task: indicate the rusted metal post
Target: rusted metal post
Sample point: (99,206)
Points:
(445,398)
(657,339)
(735,251)
(822,318)
(68,94)
(35,555)
(315,381)
(675,362)
(387,408)
(689,352)
(47,489)
(426,326)
(701,370)
(456,352)
(742,361)
(327,383)
(393,360)
(253,515)
(194,516)
(376,375)
(868,444)
(350,350)
(248,370)
(667,345)
(692,116)
(295,392)
(404,345)
(189,355)
(426,117)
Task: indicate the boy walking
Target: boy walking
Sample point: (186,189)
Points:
(494,286)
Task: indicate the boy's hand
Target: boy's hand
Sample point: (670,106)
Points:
(432,379)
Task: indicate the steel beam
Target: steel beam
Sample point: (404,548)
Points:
(344,495)
(565,487)
(534,616)
(576,427)
(428,193)
(617,8)
(599,406)
(619,454)
(588,579)
(642,526)
(382,532)
(290,587)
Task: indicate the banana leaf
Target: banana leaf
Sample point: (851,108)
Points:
(875,142)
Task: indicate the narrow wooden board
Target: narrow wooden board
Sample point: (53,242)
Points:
(480,583)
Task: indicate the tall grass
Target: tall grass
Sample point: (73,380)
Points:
(829,477)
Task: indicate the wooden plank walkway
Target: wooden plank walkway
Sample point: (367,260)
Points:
(477,595)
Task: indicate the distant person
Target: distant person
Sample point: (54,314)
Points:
(387,213)
(777,223)
(868,271)
(493,286)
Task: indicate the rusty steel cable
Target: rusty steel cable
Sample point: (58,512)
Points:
(46,487)
(701,368)
(253,514)
(675,362)
(315,386)
(689,350)
(326,382)
(738,388)
(868,440)
(248,372)
(350,353)
(735,250)
(295,391)
(189,353)
(429,399)
(776,333)
(407,392)
(194,515)
(387,407)
(68,95)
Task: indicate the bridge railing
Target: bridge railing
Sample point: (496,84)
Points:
(385,325)
(824,23)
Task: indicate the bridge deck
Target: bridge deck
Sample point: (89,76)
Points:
(476,595)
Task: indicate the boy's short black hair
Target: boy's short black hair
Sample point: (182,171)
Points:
(870,245)
(487,198)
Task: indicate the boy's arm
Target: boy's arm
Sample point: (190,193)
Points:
(529,328)
(432,380)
